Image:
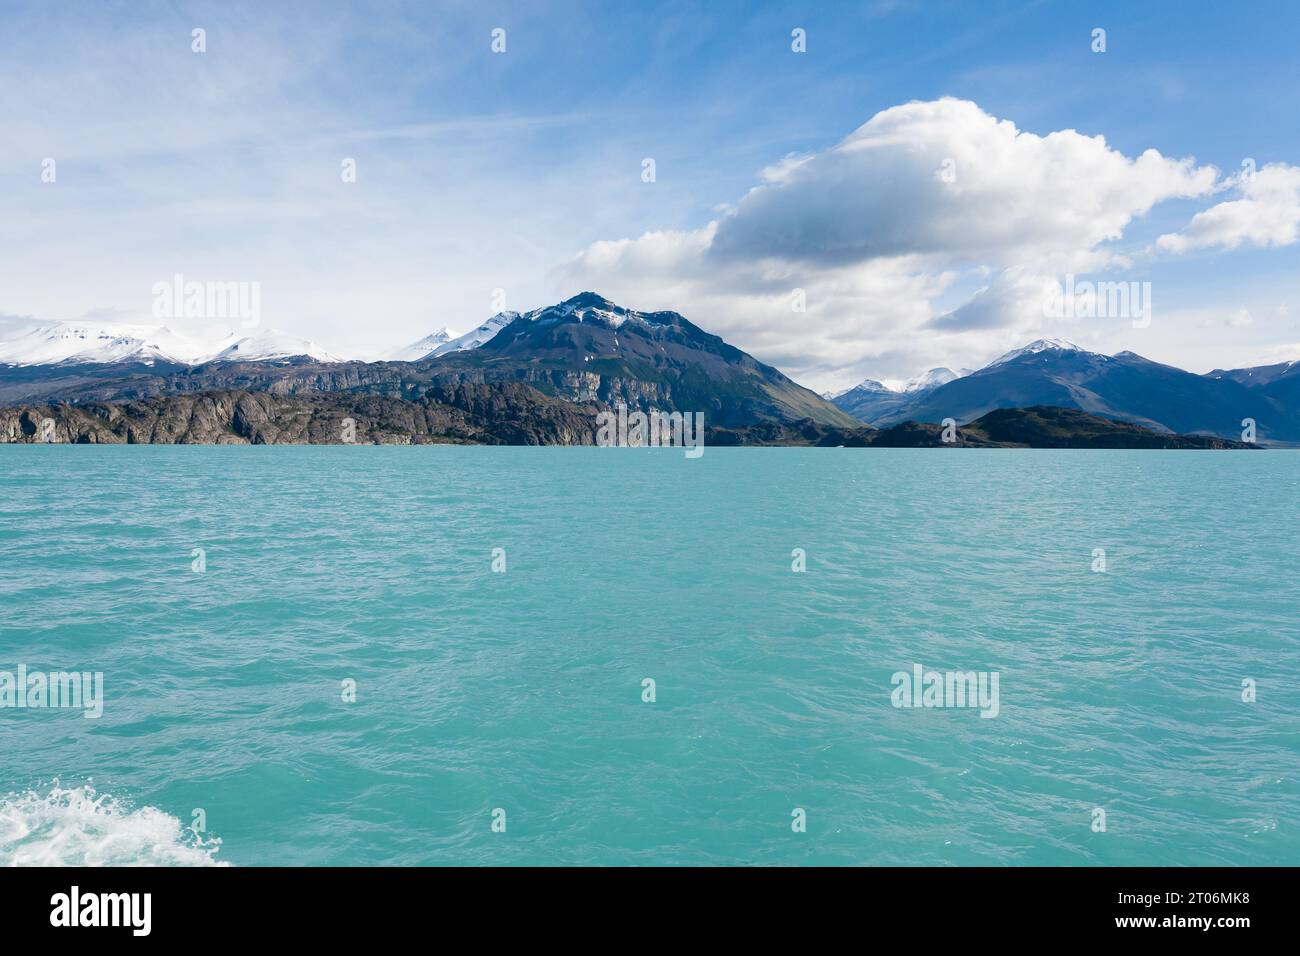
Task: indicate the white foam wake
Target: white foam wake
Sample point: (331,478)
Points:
(79,827)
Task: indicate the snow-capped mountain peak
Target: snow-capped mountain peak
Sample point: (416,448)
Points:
(867,386)
(120,343)
(422,348)
(88,342)
(931,379)
(919,383)
(476,337)
(269,344)
(1035,347)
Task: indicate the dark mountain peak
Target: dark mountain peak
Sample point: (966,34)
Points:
(589,349)
(582,308)
(587,300)
(594,307)
(1132,359)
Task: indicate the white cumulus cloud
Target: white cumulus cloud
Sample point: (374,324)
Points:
(1267,214)
(945,178)
(877,227)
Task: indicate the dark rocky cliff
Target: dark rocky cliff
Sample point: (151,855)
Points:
(476,414)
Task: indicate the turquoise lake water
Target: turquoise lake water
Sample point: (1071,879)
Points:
(522,690)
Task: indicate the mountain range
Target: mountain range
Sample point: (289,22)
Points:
(589,351)
(101,343)
(1125,387)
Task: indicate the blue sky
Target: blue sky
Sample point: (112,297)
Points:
(479,171)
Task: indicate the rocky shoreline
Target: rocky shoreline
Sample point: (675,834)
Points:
(515,414)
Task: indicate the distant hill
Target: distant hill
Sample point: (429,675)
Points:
(1047,427)
(1279,384)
